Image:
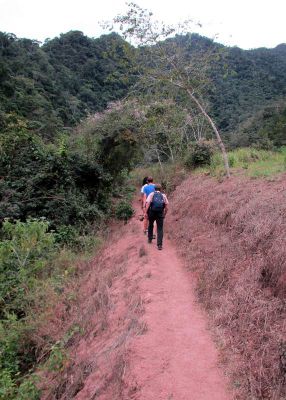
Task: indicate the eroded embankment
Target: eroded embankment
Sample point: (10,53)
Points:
(233,236)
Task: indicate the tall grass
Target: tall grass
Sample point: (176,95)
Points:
(249,161)
(253,162)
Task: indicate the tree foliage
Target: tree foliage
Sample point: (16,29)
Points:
(68,182)
(55,85)
(166,62)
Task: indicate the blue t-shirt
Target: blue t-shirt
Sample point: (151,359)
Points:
(149,189)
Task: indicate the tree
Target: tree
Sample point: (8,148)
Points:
(164,133)
(167,62)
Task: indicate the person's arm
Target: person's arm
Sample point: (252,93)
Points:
(148,201)
(142,196)
(166,205)
(144,202)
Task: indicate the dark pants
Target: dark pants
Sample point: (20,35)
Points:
(159,218)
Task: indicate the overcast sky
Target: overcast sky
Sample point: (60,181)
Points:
(243,23)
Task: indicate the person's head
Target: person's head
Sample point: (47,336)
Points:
(158,187)
(150,179)
(145,179)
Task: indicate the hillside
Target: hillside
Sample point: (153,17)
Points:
(55,85)
(143,335)
(249,81)
(231,236)
(138,328)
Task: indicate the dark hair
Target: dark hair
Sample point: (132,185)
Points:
(150,179)
(145,179)
(158,187)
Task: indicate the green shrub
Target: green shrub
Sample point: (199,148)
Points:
(27,390)
(231,160)
(199,155)
(66,234)
(58,358)
(25,251)
(23,256)
(7,385)
(123,210)
(10,343)
(41,181)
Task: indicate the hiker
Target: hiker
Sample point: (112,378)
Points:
(144,183)
(147,189)
(156,208)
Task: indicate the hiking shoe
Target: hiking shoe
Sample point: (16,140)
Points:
(149,240)
(160,247)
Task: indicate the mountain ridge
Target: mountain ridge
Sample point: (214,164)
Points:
(56,84)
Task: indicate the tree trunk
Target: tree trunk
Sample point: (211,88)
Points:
(220,142)
(160,163)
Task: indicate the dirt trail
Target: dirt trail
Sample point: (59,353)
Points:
(155,344)
(175,358)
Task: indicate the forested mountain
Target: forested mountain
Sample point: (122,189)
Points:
(241,83)
(55,85)
(245,82)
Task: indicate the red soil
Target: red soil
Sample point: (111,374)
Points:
(231,236)
(175,358)
(169,354)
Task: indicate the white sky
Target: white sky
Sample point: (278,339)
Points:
(243,23)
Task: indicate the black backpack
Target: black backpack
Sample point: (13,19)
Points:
(157,203)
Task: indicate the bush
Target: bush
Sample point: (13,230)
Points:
(25,252)
(28,390)
(124,210)
(231,160)
(200,155)
(43,181)
(10,391)
(23,257)
(66,234)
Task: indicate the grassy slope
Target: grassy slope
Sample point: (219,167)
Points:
(254,163)
(231,234)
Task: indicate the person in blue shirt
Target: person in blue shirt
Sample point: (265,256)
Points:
(144,183)
(150,187)
(147,189)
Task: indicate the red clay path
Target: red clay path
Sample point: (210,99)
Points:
(176,358)
(155,344)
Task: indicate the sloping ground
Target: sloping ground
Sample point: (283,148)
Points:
(232,236)
(142,334)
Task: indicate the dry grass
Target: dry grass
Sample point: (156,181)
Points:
(232,236)
(107,317)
